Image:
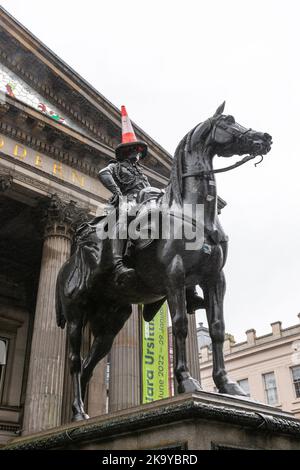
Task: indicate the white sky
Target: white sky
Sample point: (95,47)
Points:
(172,63)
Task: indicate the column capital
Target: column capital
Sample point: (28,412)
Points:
(60,218)
(5,182)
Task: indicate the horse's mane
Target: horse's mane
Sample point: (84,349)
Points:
(174,189)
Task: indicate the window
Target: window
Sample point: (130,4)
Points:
(296,380)
(244,384)
(3,357)
(270,388)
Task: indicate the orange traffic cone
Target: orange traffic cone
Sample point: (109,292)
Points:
(129,141)
(128,134)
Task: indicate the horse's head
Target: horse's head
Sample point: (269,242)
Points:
(221,135)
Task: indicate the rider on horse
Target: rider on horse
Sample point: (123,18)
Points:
(125,177)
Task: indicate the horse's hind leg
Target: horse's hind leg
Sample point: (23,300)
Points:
(100,348)
(214,296)
(75,336)
(177,305)
(104,333)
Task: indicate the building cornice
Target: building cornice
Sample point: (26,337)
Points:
(40,132)
(253,349)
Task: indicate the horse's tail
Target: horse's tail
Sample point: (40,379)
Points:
(60,318)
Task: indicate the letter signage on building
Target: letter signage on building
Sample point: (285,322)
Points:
(155,357)
(44,165)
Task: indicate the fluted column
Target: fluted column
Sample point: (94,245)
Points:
(192,348)
(66,411)
(47,359)
(68,392)
(191,351)
(124,379)
(97,393)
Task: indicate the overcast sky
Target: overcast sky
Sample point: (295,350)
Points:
(172,63)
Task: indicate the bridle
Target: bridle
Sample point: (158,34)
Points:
(205,174)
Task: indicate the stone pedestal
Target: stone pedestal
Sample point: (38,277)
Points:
(47,359)
(202,421)
(124,378)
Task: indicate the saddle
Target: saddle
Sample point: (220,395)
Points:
(149,200)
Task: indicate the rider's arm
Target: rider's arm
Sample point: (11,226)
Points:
(106,177)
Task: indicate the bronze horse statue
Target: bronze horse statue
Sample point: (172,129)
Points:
(86,291)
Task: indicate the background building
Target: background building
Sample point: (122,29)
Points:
(267,367)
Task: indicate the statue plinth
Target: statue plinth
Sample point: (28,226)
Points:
(198,421)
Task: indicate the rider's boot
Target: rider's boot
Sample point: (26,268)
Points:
(193,300)
(123,275)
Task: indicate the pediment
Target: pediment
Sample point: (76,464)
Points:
(15,87)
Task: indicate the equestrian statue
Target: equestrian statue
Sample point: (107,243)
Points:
(107,274)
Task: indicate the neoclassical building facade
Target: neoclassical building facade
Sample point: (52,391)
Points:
(267,366)
(56,133)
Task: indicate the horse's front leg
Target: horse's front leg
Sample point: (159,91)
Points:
(177,306)
(75,337)
(214,296)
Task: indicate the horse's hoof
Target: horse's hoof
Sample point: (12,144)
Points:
(194,303)
(232,388)
(189,385)
(80,417)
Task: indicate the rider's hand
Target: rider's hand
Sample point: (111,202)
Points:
(117,194)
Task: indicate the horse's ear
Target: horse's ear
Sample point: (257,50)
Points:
(220,109)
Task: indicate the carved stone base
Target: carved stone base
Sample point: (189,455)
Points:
(191,421)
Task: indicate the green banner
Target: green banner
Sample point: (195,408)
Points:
(155,357)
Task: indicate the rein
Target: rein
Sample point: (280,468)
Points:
(206,173)
(231,167)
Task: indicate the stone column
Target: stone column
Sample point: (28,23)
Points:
(97,392)
(191,351)
(124,378)
(44,394)
(192,348)
(68,393)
